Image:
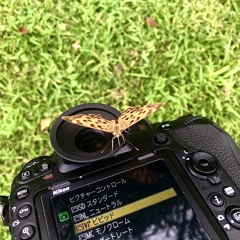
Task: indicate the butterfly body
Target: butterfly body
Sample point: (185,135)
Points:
(126,119)
(117,132)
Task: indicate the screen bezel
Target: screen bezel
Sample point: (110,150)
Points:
(45,211)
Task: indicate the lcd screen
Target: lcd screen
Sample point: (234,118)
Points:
(142,203)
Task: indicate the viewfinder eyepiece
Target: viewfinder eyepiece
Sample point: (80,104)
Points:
(80,144)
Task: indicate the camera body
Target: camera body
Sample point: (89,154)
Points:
(183,183)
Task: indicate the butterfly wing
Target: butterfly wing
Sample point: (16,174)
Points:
(95,121)
(133,115)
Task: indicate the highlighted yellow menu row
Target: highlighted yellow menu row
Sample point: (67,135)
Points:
(124,210)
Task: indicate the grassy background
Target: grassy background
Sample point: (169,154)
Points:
(58,54)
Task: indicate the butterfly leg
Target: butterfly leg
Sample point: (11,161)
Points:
(128,132)
(119,142)
(107,145)
(132,145)
(123,138)
(112,144)
(111,141)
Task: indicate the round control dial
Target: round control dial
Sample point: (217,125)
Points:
(204,166)
(203,163)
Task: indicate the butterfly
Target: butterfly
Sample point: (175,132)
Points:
(126,119)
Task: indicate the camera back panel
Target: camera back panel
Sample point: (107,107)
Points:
(172,188)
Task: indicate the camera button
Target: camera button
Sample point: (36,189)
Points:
(233,216)
(204,163)
(166,127)
(229,191)
(25,175)
(22,193)
(46,166)
(235,213)
(24,211)
(217,200)
(160,138)
(27,232)
(214,179)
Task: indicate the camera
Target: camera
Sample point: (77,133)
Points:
(182,181)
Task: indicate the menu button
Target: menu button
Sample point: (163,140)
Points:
(22,193)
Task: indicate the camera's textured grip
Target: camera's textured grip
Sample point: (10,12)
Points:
(206,137)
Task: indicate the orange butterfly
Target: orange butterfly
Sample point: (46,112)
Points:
(127,118)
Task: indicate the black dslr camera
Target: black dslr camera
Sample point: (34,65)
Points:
(183,183)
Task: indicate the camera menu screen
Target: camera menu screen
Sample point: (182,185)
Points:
(142,203)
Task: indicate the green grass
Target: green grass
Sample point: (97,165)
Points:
(104,51)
